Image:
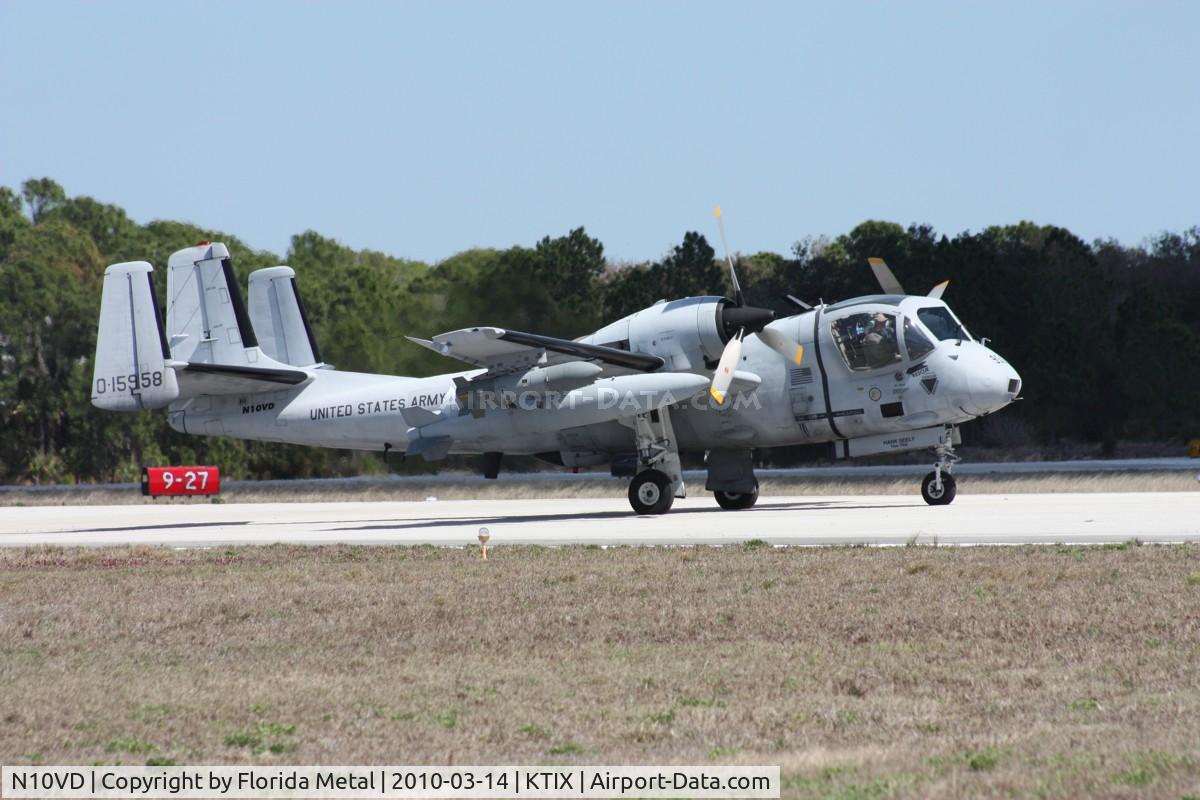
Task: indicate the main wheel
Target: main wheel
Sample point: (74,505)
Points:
(736,501)
(650,492)
(930,492)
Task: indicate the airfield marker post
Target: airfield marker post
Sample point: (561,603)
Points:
(484,535)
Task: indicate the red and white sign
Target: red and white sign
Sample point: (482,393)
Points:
(177,481)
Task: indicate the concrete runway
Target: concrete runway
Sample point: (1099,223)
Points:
(693,476)
(882,520)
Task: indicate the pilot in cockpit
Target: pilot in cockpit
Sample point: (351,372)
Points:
(879,341)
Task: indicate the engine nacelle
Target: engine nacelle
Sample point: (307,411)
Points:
(688,334)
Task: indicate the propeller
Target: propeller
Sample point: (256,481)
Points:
(883,274)
(889,284)
(723,377)
(747,320)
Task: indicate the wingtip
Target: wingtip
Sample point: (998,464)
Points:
(718,396)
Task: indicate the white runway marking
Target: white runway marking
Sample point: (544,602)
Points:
(881,520)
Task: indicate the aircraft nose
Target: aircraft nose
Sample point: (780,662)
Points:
(993,384)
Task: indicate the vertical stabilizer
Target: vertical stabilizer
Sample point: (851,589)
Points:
(131,346)
(207,321)
(279,319)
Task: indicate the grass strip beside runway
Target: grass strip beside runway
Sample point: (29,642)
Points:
(910,671)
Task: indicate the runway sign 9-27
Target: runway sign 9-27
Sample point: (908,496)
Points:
(180,481)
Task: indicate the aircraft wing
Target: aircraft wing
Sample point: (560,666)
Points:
(502,351)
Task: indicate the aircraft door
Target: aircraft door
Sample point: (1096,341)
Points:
(864,367)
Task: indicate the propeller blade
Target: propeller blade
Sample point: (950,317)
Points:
(793,352)
(737,289)
(796,301)
(937,291)
(725,369)
(887,281)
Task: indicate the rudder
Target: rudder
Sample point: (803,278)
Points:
(131,371)
(279,319)
(207,321)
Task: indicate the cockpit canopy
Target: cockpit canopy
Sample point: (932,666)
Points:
(868,340)
(871,338)
(941,323)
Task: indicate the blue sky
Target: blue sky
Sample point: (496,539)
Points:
(421,129)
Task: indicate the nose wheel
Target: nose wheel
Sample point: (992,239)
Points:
(939,487)
(939,492)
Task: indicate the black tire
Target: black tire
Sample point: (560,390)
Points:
(737,501)
(650,492)
(935,498)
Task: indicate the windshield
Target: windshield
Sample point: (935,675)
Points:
(941,323)
(867,341)
(917,343)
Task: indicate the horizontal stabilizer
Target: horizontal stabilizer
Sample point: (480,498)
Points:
(223,379)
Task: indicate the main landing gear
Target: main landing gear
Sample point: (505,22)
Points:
(731,478)
(939,487)
(737,501)
(650,492)
(659,479)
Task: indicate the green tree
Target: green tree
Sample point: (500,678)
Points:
(689,270)
(42,195)
(12,219)
(50,279)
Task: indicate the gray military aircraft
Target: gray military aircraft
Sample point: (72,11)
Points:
(878,374)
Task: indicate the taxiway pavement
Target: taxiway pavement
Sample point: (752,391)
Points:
(849,520)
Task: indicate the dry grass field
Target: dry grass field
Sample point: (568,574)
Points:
(864,673)
(513,487)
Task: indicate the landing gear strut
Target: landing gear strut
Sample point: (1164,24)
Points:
(660,475)
(939,487)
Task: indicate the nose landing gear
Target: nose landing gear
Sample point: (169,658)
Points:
(938,491)
(939,487)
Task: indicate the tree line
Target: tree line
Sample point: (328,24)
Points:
(1106,336)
